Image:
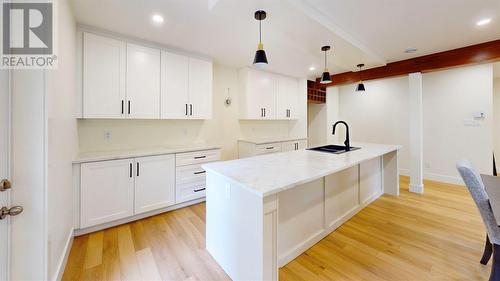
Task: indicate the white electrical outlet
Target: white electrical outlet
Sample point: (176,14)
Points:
(107,135)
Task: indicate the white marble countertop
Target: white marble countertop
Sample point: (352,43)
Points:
(139,152)
(271,139)
(271,173)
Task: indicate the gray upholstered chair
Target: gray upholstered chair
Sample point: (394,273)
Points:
(476,188)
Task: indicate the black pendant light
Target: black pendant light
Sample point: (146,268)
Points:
(360,87)
(260,55)
(325,77)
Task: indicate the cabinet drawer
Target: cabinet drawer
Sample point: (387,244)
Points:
(190,191)
(197,157)
(267,148)
(190,173)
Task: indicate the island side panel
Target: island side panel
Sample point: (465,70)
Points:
(391,173)
(370,181)
(300,219)
(341,197)
(240,230)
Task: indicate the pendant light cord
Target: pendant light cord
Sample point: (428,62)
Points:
(325,60)
(260,29)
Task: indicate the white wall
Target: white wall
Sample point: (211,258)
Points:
(62,141)
(380,115)
(223,129)
(496,119)
(449,97)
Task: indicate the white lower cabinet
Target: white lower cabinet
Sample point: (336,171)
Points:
(107,191)
(123,189)
(190,177)
(249,148)
(294,145)
(154,183)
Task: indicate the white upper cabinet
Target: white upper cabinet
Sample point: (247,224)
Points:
(104,62)
(287,98)
(154,183)
(143,82)
(267,96)
(174,86)
(258,99)
(200,89)
(122,80)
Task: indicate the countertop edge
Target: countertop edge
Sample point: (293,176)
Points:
(118,156)
(290,186)
(284,139)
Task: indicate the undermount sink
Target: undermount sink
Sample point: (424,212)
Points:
(335,149)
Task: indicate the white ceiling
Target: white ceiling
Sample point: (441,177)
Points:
(370,31)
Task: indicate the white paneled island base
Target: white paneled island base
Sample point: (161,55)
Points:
(264,211)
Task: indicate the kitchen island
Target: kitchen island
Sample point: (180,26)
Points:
(264,211)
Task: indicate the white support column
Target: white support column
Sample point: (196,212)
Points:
(416,133)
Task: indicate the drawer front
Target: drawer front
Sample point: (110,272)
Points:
(190,173)
(190,191)
(268,148)
(197,157)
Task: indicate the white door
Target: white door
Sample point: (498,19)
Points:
(174,86)
(154,183)
(22,161)
(104,61)
(287,98)
(4,170)
(107,191)
(143,82)
(200,89)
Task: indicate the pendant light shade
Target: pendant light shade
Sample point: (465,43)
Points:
(260,58)
(360,87)
(325,77)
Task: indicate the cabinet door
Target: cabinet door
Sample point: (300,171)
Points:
(286,98)
(106,191)
(104,63)
(154,182)
(143,82)
(200,89)
(289,146)
(174,86)
(258,94)
(302,144)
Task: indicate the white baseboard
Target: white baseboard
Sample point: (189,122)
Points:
(443,178)
(64,258)
(417,188)
(404,172)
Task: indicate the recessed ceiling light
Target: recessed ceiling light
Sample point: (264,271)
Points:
(312,68)
(157,18)
(483,22)
(410,50)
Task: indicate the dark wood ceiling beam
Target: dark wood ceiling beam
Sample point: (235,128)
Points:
(475,54)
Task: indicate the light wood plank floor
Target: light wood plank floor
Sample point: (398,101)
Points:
(435,236)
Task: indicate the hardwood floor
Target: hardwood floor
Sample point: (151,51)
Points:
(435,236)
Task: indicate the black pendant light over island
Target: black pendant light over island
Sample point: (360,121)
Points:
(260,55)
(325,77)
(360,87)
